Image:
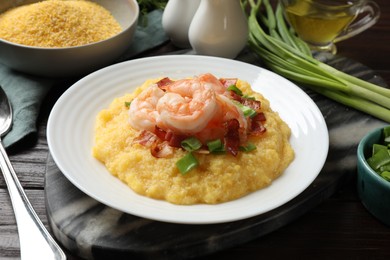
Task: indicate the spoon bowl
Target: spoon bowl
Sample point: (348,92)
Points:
(5,114)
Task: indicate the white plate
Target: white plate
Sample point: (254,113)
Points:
(71,122)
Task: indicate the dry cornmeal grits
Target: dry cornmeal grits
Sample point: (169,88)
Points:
(58,23)
(219,178)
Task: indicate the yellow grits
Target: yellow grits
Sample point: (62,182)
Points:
(218,178)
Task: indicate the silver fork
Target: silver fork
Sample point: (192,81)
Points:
(35,240)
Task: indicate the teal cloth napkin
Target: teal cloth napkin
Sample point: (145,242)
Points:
(26,92)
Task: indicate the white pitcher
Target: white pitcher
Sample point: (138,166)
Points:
(176,20)
(219,28)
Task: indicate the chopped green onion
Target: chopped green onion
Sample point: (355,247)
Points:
(386,133)
(385,168)
(386,175)
(187,163)
(248,112)
(127,104)
(248,148)
(216,146)
(377,147)
(235,89)
(249,97)
(379,159)
(191,144)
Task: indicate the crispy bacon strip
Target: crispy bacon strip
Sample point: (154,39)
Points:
(257,126)
(174,139)
(254,104)
(145,138)
(232,136)
(235,96)
(161,150)
(159,132)
(158,148)
(169,136)
(163,83)
(227,82)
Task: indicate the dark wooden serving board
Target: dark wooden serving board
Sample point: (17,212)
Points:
(92,230)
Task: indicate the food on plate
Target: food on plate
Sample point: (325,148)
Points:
(195,140)
(58,23)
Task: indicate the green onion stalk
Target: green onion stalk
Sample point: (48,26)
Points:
(283,52)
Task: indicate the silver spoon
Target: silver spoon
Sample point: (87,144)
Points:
(35,240)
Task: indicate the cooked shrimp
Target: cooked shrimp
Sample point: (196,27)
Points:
(187,106)
(212,82)
(231,111)
(196,106)
(216,128)
(142,112)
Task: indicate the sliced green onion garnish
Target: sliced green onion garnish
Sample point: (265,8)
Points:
(127,104)
(187,163)
(216,146)
(248,112)
(191,144)
(235,89)
(248,147)
(249,97)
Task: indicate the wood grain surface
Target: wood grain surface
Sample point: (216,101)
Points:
(339,228)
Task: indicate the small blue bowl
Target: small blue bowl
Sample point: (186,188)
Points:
(374,191)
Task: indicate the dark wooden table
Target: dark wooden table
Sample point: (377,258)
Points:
(339,228)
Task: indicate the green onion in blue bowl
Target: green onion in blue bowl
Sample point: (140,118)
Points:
(373,189)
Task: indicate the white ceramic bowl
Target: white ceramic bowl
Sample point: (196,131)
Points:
(72,61)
